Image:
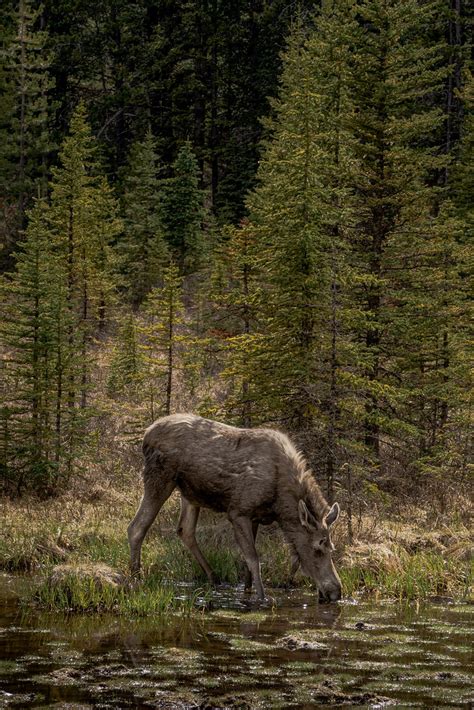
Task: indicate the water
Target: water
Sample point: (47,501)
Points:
(292,654)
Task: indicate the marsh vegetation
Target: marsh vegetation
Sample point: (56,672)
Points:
(76,546)
(291,653)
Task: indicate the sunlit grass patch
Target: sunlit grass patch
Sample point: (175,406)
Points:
(38,533)
(80,588)
(408,576)
(98,588)
(104,547)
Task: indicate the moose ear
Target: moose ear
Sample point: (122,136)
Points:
(333,515)
(307,520)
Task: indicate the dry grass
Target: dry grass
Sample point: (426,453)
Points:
(87,525)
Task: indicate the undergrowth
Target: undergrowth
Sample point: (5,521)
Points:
(393,560)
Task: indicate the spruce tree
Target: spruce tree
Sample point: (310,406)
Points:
(54,302)
(184,212)
(33,333)
(437,364)
(162,335)
(304,214)
(395,72)
(143,251)
(84,221)
(284,211)
(25,142)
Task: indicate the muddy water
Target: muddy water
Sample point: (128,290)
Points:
(235,654)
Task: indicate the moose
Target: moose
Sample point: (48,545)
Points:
(254,476)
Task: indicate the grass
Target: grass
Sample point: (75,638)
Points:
(77,591)
(414,576)
(390,559)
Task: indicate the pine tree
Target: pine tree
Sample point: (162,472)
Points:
(438,364)
(54,301)
(142,249)
(395,74)
(84,221)
(184,212)
(162,334)
(304,214)
(283,209)
(33,334)
(26,113)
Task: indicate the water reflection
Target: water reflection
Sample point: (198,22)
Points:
(287,653)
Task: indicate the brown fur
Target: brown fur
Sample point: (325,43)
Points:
(255,476)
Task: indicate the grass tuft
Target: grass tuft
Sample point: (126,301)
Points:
(409,576)
(99,589)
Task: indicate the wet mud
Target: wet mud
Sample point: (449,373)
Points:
(234,653)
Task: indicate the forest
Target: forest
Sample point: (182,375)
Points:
(260,212)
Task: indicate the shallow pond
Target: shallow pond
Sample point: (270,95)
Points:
(293,653)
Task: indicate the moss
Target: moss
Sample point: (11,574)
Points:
(245,644)
(8,668)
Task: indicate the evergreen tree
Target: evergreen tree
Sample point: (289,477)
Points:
(284,211)
(184,212)
(35,436)
(84,221)
(395,73)
(163,335)
(143,249)
(303,211)
(438,363)
(25,141)
(54,301)
(307,359)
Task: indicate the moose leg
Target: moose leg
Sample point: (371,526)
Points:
(187,532)
(244,536)
(152,500)
(248,573)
